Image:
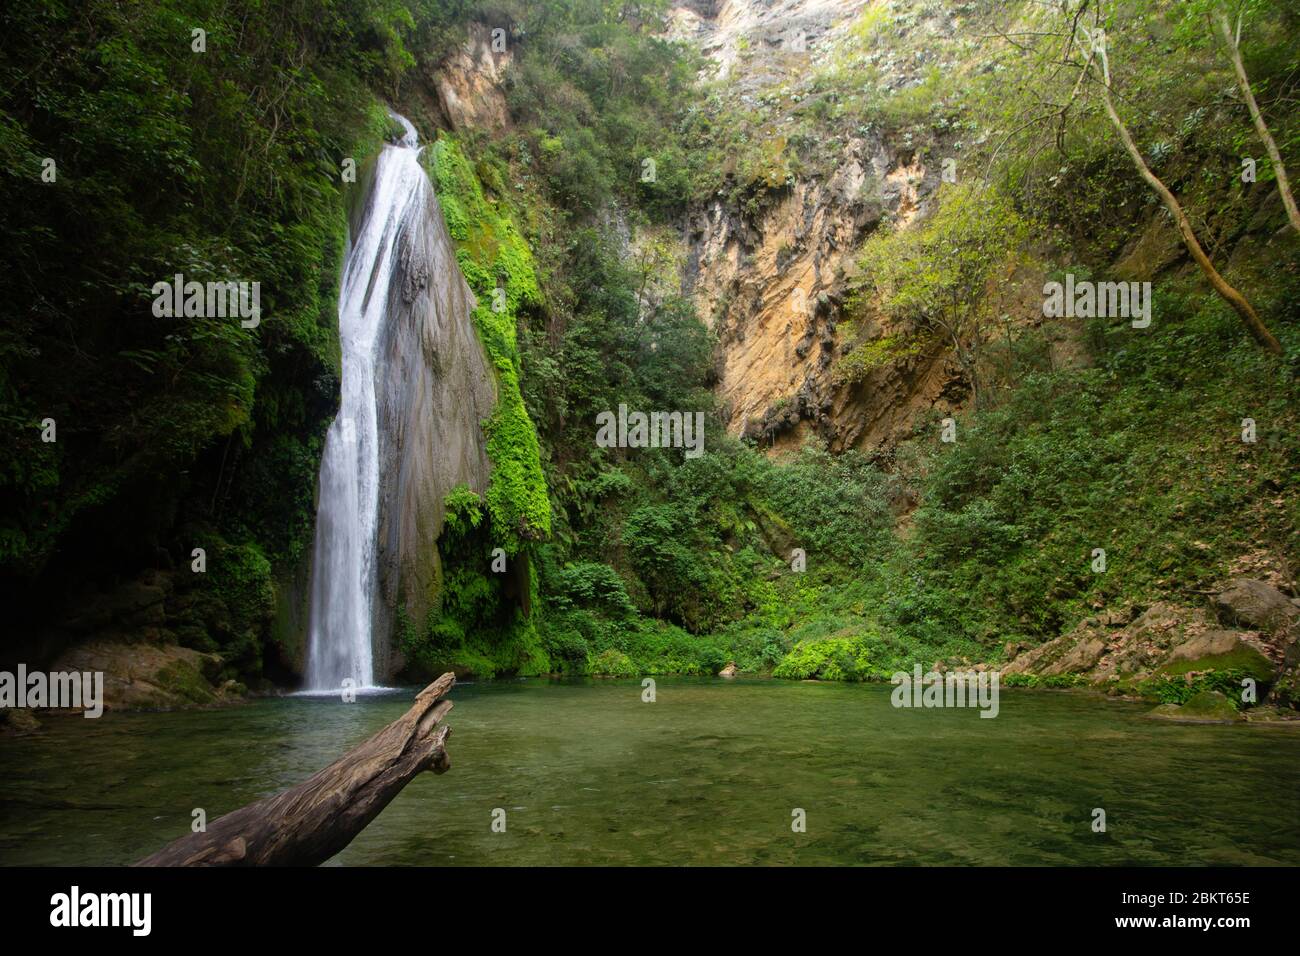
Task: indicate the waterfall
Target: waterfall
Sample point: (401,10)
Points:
(416,388)
(345,569)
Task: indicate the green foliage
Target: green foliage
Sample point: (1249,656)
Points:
(613,663)
(1054,681)
(837,506)
(865,357)
(464,510)
(222,165)
(836,658)
(1140,455)
(598,90)
(938,274)
(591,585)
(634,561)
(1168,689)
(476,629)
(227,609)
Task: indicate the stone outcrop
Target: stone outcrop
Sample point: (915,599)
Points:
(469,84)
(1252,630)
(772,288)
(1258,605)
(726,29)
(770,277)
(141,676)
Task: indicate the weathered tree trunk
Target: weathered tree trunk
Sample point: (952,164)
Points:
(1233,44)
(1254,324)
(311,822)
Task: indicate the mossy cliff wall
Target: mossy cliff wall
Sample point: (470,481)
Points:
(482,622)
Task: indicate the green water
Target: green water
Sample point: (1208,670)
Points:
(707,774)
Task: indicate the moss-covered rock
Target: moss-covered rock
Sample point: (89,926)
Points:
(1219,651)
(152,677)
(1206,707)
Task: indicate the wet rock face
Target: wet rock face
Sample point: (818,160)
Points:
(434,389)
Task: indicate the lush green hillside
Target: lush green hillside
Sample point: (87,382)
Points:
(658,563)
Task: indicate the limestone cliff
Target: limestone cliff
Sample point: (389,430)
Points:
(772,282)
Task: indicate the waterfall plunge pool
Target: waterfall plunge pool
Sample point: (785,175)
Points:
(707,774)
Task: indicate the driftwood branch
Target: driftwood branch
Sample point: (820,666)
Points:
(307,824)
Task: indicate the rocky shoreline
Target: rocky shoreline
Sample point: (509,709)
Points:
(1187,660)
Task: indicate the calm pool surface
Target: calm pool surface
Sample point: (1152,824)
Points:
(707,774)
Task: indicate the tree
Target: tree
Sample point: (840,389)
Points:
(1097,53)
(938,274)
(1232,41)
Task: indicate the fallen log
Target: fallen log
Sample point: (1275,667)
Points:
(307,824)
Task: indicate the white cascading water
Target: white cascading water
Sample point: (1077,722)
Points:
(344,572)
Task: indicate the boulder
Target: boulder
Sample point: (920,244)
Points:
(1121,617)
(1207,707)
(1029,661)
(1247,602)
(140,676)
(1164,624)
(1077,651)
(1083,656)
(1206,644)
(1218,650)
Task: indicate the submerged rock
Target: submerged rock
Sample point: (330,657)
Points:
(17,722)
(1267,714)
